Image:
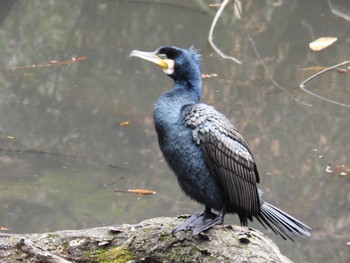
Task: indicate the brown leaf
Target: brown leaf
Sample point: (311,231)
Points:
(142,191)
(343,70)
(315,68)
(338,169)
(137,191)
(51,63)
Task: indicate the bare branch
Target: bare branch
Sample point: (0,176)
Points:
(268,74)
(211,31)
(302,85)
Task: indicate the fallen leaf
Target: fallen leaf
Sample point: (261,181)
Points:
(137,191)
(214,5)
(322,43)
(338,169)
(51,63)
(316,68)
(142,191)
(210,75)
(3,228)
(124,123)
(343,70)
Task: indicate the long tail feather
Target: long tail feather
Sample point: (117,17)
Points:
(282,223)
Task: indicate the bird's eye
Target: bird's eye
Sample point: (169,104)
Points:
(162,56)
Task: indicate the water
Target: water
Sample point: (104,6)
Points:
(63,150)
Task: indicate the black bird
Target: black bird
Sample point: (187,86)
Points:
(210,158)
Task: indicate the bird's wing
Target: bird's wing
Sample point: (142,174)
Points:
(227,157)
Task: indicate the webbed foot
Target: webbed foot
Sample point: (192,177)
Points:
(200,222)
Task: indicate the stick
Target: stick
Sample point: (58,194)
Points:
(211,31)
(302,85)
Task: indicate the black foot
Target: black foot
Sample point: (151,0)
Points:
(200,222)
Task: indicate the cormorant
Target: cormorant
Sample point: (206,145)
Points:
(210,158)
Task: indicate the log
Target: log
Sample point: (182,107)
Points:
(149,241)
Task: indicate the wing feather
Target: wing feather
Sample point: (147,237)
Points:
(227,156)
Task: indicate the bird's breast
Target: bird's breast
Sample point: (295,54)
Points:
(176,141)
(184,156)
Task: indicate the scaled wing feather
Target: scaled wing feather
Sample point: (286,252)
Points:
(227,156)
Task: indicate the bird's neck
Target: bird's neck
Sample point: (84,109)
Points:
(167,109)
(191,83)
(188,89)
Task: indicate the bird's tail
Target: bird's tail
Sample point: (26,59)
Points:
(281,223)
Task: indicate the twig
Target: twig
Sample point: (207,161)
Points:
(267,72)
(107,185)
(210,38)
(174,4)
(211,31)
(52,63)
(302,85)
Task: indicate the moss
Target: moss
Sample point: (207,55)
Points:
(147,230)
(165,236)
(114,255)
(53,235)
(65,245)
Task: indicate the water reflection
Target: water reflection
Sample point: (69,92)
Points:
(63,152)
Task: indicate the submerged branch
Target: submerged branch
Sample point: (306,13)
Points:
(268,74)
(302,85)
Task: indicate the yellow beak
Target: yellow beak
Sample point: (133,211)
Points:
(150,56)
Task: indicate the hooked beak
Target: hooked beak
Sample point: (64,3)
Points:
(152,57)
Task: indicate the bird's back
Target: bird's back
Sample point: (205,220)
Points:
(227,157)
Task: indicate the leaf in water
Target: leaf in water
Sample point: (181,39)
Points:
(51,63)
(322,43)
(142,191)
(28,74)
(316,68)
(137,191)
(214,5)
(124,123)
(343,70)
(3,228)
(10,137)
(338,169)
(210,75)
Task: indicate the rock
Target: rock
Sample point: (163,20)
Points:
(149,241)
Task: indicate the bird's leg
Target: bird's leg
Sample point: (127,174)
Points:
(193,220)
(209,220)
(201,221)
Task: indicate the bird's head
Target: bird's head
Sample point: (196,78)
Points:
(177,63)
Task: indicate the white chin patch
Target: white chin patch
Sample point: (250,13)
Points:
(170,69)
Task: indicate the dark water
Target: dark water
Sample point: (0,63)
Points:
(63,151)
